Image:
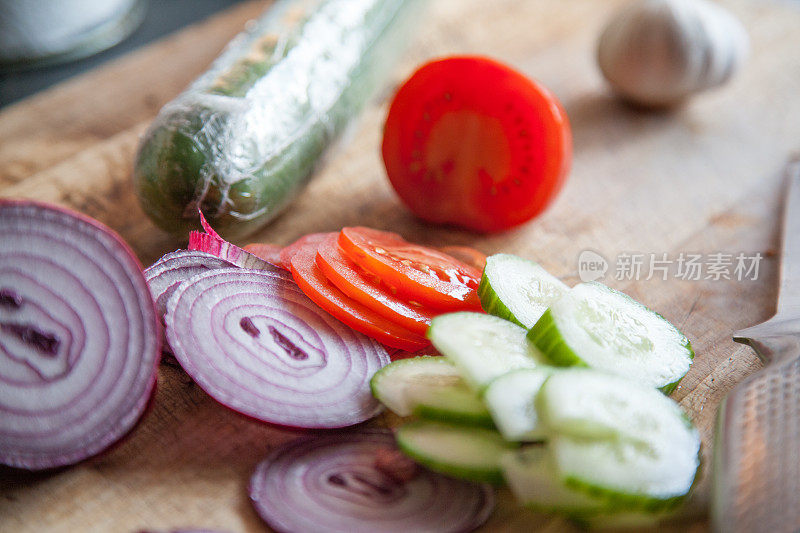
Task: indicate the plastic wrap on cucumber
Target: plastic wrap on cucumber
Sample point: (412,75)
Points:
(245,137)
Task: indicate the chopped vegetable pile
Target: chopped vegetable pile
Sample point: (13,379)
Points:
(576,423)
(550,390)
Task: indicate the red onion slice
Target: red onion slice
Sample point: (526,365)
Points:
(257,344)
(331,484)
(164,275)
(79,337)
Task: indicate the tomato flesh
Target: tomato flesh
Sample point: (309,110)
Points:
(418,274)
(471,142)
(271,253)
(469,256)
(322,292)
(367,289)
(289,251)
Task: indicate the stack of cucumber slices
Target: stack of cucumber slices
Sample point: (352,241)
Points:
(558,393)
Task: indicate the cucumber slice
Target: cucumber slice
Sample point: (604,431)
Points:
(629,475)
(594,325)
(532,477)
(458,451)
(619,440)
(430,387)
(391,383)
(517,289)
(511,402)
(581,402)
(482,347)
(454,402)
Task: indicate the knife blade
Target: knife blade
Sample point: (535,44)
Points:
(756,470)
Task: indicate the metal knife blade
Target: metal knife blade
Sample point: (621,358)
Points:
(756,471)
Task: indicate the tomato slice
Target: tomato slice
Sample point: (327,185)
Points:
(367,289)
(471,142)
(416,273)
(312,239)
(468,256)
(271,253)
(322,292)
(396,355)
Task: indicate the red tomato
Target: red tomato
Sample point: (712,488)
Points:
(416,273)
(322,292)
(271,253)
(312,239)
(468,256)
(474,143)
(365,288)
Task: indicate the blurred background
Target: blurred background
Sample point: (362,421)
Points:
(43,42)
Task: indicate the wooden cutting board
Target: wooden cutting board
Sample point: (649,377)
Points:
(703,179)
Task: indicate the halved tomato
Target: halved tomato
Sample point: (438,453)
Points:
(418,274)
(322,292)
(471,142)
(367,289)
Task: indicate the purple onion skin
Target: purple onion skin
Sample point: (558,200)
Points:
(330,484)
(77,428)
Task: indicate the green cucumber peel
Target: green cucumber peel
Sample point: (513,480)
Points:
(517,289)
(531,475)
(456,404)
(459,451)
(245,138)
(617,440)
(391,383)
(596,326)
(483,347)
(511,400)
(429,387)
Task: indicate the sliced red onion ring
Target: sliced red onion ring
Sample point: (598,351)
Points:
(254,342)
(170,270)
(331,484)
(79,337)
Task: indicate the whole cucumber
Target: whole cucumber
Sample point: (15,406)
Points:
(245,137)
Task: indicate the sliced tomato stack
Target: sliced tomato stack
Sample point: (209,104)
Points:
(380,284)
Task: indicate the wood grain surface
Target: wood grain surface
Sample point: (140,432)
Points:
(702,179)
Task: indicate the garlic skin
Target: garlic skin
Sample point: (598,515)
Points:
(656,53)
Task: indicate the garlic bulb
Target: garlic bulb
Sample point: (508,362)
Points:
(658,52)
